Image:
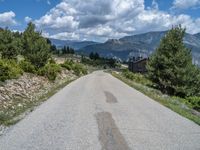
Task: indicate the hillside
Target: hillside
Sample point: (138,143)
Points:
(144,43)
(74,44)
(197,35)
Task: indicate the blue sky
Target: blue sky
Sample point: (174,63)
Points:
(99,20)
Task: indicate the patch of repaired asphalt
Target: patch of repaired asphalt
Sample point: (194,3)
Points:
(109,135)
(110,98)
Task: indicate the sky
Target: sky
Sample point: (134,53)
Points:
(99,20)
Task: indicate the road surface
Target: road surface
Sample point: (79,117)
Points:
(99,112)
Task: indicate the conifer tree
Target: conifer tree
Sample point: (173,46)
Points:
(35,47)
(10,45)
(171,68)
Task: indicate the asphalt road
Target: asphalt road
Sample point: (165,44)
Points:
(99,112)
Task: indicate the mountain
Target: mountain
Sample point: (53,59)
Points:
(140,44)
(197,35)
(74,44)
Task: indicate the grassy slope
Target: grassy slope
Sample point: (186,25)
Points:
(173,103)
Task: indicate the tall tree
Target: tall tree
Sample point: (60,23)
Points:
(64,50)
(35,47)
(91,55)
(10,45)
(170,67)
(68,50)
(71,51)
(96,56)
(53,47)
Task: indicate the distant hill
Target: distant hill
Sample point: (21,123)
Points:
(74,44)
(143,44)
(197,35)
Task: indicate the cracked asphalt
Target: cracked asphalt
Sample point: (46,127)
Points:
(99,112)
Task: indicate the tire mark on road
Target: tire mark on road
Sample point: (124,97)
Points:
(109,135)
(110,98)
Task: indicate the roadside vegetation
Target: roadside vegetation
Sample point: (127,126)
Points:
(77,68)
(171,69)
(172,79)
(32,55)
(187,107)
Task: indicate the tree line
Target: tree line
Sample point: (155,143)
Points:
(96,60)
(27,52)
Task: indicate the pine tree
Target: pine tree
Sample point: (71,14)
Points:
(10,45)
(96,56)
(71,51)
(171,68)
(68,50)
(35,47)
(91,55)
(64,50)
(53,49)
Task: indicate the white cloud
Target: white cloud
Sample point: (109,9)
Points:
(48,2)
(65,35)
(185,4)
(100,20)
(7,19)
(155,5)
(27,19)
(59,18)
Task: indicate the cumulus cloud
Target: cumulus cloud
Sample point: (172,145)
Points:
(185,4)
(100,20)
(155,5)
(27,19)
(60,18)
(7,19)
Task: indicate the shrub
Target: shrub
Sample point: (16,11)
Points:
(26,66)
(51,61)
(194,102)
(79,69)
(76,67)
(50,71)
(68,64)
(9,69)
(139,78)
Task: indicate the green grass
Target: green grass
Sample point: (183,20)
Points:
(174,103)
(12,114)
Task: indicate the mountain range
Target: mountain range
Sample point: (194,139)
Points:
(73,44)
(128,46)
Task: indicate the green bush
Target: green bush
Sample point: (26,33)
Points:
(79,69)
(76,67)
(51,61)
(9,69)
(27,66)
(139,78)
(194,102)
(50,71)
(68,64)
